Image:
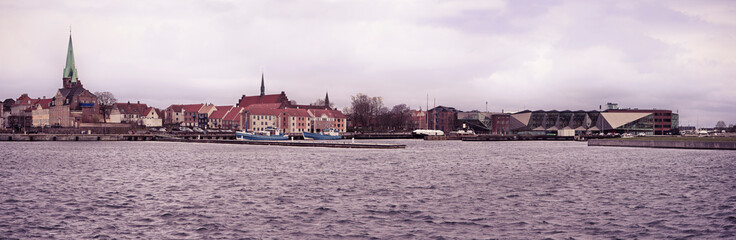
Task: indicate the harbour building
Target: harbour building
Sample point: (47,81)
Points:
(618,121)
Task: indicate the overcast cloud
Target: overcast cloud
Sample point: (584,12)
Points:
(515,55)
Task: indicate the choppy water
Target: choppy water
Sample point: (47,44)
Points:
(441,190)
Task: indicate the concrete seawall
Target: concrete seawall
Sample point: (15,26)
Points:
(664,144)
(76,137)
(326,144)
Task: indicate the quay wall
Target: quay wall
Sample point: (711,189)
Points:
(327,144)
(518,138)
(75,137)
(664,144)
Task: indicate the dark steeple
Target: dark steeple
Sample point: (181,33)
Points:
(263,87)
(327,100)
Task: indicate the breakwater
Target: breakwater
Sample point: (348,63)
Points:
(328,144)
(517,138)
(724,145)
(190,138)
(77,137)
(110,137)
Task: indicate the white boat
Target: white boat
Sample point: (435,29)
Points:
(420,133)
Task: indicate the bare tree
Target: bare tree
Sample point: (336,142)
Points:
(321,102)
(400,117)
(364,110)
(105,100)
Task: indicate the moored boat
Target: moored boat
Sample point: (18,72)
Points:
(420,133)
(327,134)
(272,135)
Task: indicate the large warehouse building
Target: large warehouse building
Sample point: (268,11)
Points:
(634,121)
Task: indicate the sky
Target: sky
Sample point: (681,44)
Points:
(483,55)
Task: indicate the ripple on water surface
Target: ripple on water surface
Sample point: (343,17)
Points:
(438,189)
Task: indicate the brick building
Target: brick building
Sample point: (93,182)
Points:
(28,112)
(135,113)
(73,104)
(294,121)
(664,121)
(234,119)
(419,119)
(442,118)
(500,123)
(217,118)
(325,119)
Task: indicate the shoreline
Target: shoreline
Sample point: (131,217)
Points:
(668,142)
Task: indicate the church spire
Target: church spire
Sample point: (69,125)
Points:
(263,87)
(327,100)
(70,70)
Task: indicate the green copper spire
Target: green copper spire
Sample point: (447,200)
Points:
(70,70)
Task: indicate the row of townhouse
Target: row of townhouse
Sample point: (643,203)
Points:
(27,112)
(294,120)
(138,114)
(254,117)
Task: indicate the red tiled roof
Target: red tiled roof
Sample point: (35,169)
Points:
(159,112)
(220,112)
(235,117)
(148,111)
(272,98)
(329,113)
(192,107)
(308,107)
(264,106)
(43,103)
(175,108)
(264,111)
(295,112)
(23,99)
(131,108)
(234,114)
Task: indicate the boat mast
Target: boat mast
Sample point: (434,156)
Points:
(426,115)
(434,114)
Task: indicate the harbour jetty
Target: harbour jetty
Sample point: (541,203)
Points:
(109,137)
(517,138)
(720,143)
(191,138)
(327,144)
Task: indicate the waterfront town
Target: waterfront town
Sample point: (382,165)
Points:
(73,109)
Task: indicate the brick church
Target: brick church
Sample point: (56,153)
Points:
(73,104)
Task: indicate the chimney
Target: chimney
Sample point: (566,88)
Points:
(139,102)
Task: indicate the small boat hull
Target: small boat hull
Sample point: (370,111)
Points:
(317,136)
(250,136)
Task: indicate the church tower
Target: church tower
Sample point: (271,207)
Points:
(263,87)
(327,100)
(70,78)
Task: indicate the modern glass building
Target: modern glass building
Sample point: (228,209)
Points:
(634,121)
